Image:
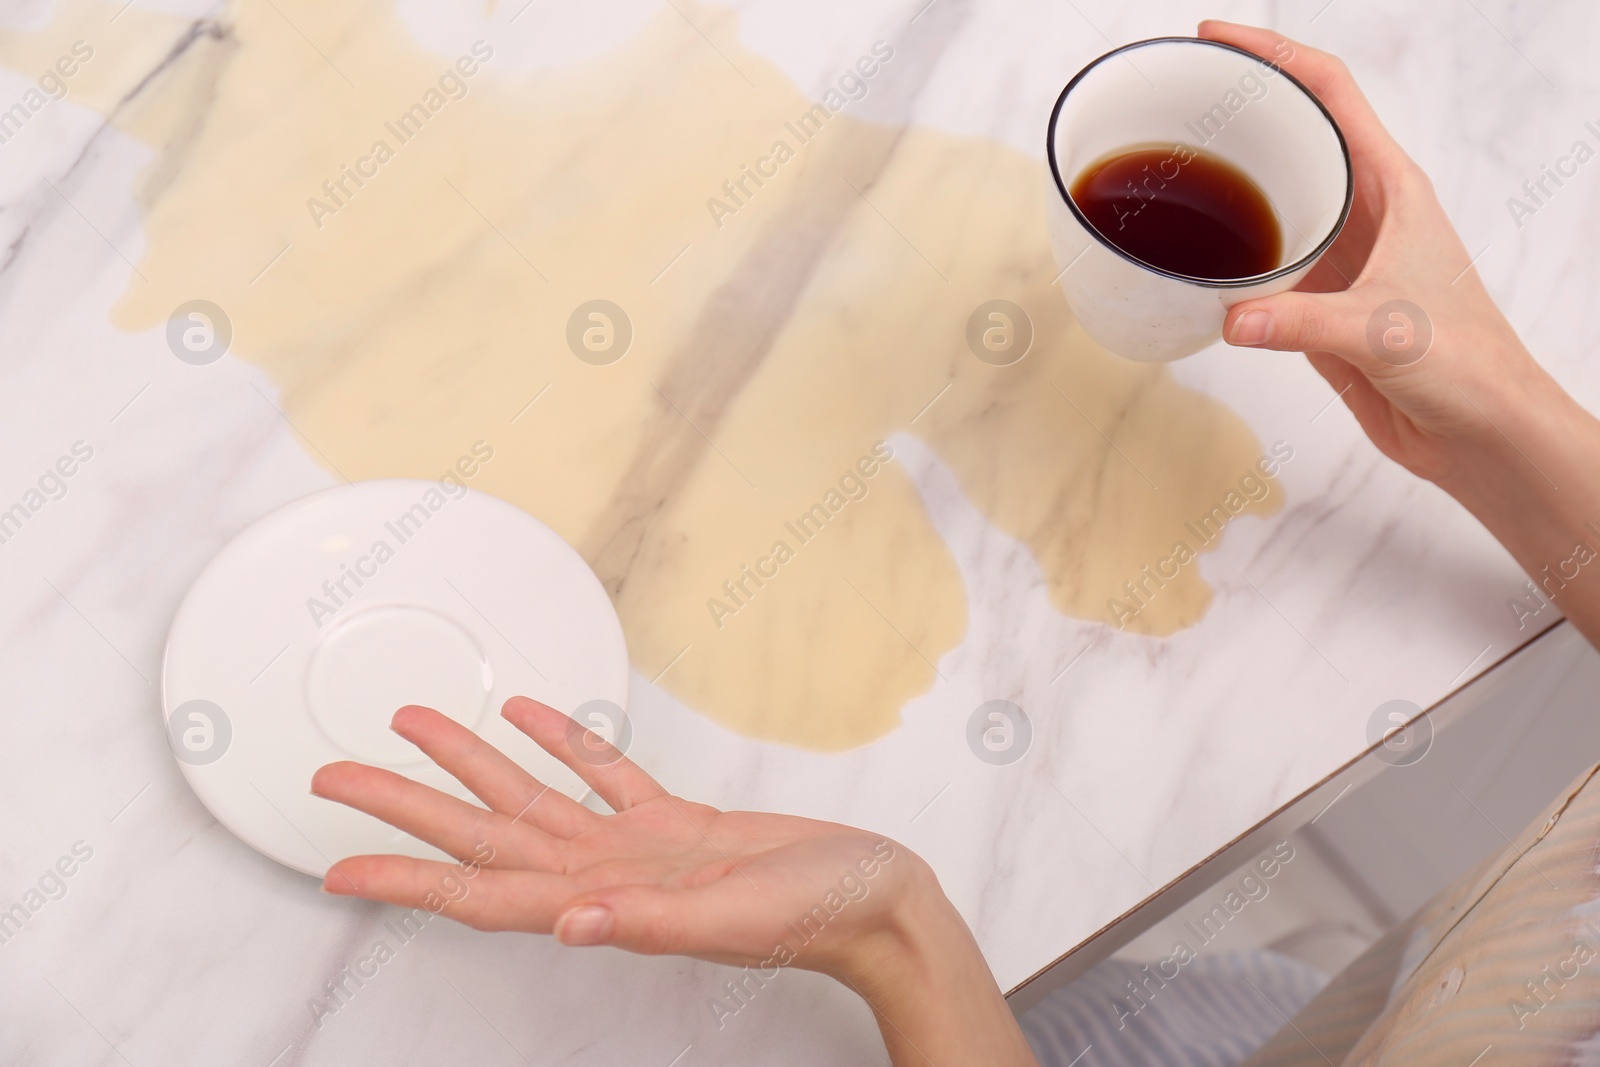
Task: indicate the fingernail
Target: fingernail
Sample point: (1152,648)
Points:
(1251,328)
(588,925)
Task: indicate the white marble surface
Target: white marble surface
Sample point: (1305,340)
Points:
(176,944)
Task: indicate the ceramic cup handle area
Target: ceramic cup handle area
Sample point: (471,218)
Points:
(1183,91)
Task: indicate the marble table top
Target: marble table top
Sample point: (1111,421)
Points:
(790,216)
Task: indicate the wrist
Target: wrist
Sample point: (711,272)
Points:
(929,987)
(1535,485)
(920,931)
(1526,421)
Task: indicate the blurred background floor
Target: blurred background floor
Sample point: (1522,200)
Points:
(1498,751)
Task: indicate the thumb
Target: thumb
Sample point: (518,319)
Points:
(650,920)
(1302,322)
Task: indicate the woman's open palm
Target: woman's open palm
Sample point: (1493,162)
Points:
(662,875)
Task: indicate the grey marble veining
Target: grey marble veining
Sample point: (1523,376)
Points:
(176,944)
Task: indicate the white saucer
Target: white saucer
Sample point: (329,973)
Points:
(303,636)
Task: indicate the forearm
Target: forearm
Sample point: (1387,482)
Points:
(933,994)
(1534,482)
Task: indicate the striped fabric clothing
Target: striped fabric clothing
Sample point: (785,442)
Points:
(1213,1012)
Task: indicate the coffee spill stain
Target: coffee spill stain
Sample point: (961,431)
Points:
(769,353)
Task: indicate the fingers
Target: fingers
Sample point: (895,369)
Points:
(619,781)
(443,821)
(493,777)
(1324,74)
(1372,410)
(483,898)
(1337,373)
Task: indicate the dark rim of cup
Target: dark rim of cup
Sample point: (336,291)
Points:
(1212,283)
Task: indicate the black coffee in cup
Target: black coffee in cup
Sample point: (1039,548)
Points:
(1181,209)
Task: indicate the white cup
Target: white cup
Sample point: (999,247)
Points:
(1187,92)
